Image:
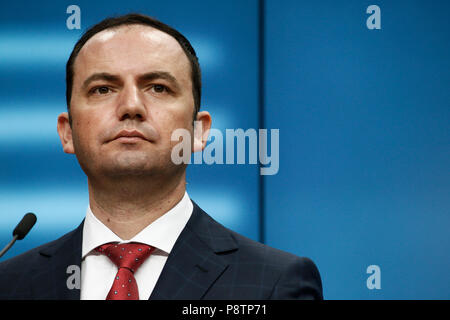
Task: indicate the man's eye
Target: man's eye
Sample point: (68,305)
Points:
(101,90)
(159,88)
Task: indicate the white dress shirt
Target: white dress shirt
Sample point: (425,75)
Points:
(98,271)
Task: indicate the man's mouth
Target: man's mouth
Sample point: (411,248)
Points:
(130,136)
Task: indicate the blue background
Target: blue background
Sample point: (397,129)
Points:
(363,117)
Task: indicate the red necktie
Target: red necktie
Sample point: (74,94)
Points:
(128,257)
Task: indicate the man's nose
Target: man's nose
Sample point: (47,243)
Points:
(131,105)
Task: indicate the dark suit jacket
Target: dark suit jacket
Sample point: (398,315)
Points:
(208,261)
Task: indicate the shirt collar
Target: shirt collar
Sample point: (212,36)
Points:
(161,233)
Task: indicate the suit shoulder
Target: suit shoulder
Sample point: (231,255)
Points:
(296,277)
(284,275)
(220,237)
(255,248)
(29,258)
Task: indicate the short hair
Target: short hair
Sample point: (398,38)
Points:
(136,19)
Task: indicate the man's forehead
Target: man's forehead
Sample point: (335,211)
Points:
(137,32)
(132,41)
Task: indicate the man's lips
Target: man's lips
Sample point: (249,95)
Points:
(130,136)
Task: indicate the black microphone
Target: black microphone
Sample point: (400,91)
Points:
(21,230)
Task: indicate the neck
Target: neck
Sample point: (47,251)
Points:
(127,207)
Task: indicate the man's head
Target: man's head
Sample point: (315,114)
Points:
(136,19)
(131,79)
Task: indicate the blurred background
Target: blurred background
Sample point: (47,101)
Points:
(363,117)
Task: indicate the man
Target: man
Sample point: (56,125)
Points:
(132,81)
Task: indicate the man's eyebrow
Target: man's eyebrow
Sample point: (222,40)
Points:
(100,76)
(150,76)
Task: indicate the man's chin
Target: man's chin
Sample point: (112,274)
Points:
(130,171)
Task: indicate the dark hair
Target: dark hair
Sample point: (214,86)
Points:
(140,19)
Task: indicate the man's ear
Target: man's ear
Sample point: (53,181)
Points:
(202,125)
(65,132)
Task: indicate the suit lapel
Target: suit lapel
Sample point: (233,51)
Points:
(194,263)
(55,278)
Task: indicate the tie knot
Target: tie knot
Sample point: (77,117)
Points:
(126,255)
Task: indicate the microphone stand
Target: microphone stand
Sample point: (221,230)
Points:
(21,230)
(9,245)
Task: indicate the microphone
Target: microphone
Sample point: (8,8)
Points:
(21,230)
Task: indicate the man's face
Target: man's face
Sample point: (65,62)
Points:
(129,81)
